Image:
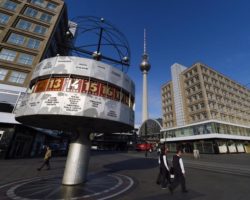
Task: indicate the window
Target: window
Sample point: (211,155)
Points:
(33,43)
(22,24)
(4,18)
(3,73)
(51,6)
(17,77)
(31,12)
(25,59)
(46,17)
(40,29)
(16,39)
(38,2)
(6,54)
(10,5)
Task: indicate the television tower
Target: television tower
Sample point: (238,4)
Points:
(145,67)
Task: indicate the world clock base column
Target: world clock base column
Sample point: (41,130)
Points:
(78,159)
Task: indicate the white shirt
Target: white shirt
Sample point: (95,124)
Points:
(182,166)
(165,161)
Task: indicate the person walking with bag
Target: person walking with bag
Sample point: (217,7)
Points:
(164,168)
(179,173)
(47,157)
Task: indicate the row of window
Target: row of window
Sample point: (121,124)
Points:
(168,109)
(193,89)
(21,40)
(169,123)
(196,107)
(11,5)
(192,81)
(31,12)
(223,80)
(232,87)
(191,72)
(198,117)
(28,26)
(169,116)
(225,93)
(20,58)
(24,25)
(44,4)
(166,88)
(194,98)
(4,18)
(228,101)
(14,76)
(230,111)
(167,102)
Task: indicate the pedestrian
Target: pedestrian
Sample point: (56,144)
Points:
(179,173)
(47,157)
(164,174)
(158,150)
(158,180)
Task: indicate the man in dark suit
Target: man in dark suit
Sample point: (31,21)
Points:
(179,173)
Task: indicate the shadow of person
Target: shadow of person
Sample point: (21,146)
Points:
(132,164)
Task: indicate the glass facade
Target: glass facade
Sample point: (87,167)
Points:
(25,59)
(40,29)
(4,18)
(40,3)
(45,17)
(3,73)
(8,55)
(16,39)
(23,41)
(23,24)
(31,12)
(33,43)
(17,77)
(51,6)
(207,128)
(9,5)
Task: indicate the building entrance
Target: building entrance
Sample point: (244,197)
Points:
(187,147)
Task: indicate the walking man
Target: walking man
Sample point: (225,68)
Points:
(47,157)
(179,173)
(164,168)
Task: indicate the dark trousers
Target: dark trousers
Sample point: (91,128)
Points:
(163,177)
(158,180)
(46,162)
(179,179)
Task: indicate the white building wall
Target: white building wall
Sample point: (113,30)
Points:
(9,94)
(176,69)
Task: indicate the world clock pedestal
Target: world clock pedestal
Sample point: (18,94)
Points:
(78,159)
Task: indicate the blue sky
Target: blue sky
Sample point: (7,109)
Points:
(214,32)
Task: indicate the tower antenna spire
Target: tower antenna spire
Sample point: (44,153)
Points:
(145,42)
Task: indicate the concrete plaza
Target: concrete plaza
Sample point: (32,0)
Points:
(127,176)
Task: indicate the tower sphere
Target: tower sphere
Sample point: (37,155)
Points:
(145,66)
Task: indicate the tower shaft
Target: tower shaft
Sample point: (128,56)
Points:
(145,96)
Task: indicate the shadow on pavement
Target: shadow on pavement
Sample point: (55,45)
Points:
(178,195)
(132,164)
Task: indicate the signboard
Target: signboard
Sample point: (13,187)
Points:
(85,85)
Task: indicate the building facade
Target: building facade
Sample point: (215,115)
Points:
(200,102)
(30,30)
